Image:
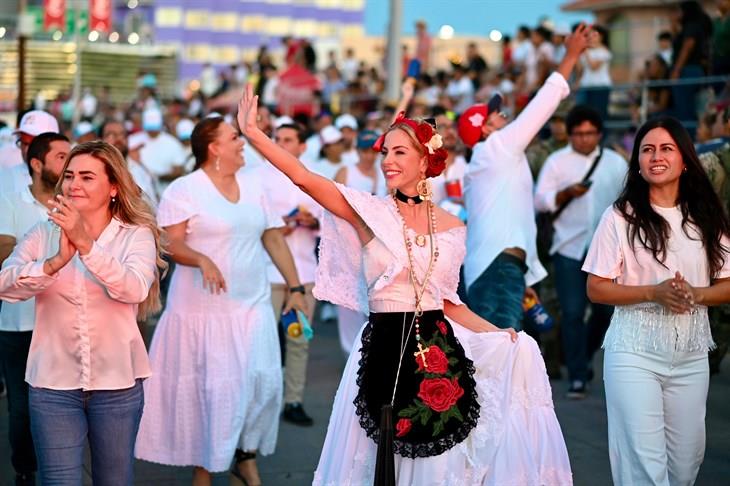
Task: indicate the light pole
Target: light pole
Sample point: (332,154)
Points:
(393,82)
(22,39)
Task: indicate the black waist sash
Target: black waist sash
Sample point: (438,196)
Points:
(435,404)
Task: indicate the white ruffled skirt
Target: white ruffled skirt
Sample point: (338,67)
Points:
(517,440)
(216,385)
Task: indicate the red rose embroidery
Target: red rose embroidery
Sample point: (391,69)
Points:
(442,327)
(440,394)
(435,359)
(424,132)
(403,427)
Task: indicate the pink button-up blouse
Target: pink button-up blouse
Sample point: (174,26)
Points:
(86,335)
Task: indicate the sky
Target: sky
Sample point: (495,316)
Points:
(469,17)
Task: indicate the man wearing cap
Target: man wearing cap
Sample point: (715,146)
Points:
(184,130)
(84,132)
(162,154)
(15,177)
(347,125)
(19,212)
(501,257)
(330,160)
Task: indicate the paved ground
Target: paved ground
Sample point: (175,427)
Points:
(583,423)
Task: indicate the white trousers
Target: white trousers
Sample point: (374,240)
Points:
(656,416)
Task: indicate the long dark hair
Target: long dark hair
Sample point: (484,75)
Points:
(700,205)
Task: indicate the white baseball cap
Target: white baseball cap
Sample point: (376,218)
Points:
(83,128)
(330,134)
(137,140)
(346,121)
(184,129)
(36,122)
(152,120)
(284,120)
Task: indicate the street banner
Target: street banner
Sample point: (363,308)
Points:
(100,12)
(54,14)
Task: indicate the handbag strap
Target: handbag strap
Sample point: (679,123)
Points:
(588,175)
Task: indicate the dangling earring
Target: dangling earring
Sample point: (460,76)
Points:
(114,200)
(424,189)
(217,164)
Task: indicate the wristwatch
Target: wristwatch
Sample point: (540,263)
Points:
(298,288)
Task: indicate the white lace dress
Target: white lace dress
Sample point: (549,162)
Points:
(517,439)
(216,382)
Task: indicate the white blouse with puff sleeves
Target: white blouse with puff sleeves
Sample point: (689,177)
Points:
(86,335)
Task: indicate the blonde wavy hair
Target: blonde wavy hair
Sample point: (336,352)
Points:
(129,207)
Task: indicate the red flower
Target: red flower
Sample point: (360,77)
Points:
(424,132)
(403,427)
(442,327)
(437,162)
(440,394)
(436,360)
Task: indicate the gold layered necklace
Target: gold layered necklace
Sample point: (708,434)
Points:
(419,286)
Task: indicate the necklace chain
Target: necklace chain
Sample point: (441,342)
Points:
(419,287)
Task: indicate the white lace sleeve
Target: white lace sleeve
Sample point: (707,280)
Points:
(340,278)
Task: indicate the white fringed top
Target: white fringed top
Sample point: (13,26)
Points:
(650,326)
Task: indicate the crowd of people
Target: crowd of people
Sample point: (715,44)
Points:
(243,214)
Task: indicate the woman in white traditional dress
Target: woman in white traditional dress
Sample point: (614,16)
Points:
(470,411)
(216,385)
(660,255)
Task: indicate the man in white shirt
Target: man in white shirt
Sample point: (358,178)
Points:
(14,176)
(301,234)
(163,154)
(501,251)
(560,185)
(19,212)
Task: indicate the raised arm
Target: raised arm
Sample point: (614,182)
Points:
(518,134)
(320,188)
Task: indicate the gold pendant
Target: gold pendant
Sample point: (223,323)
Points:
(421,240)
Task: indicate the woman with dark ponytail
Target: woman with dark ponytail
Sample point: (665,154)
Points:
(660,255)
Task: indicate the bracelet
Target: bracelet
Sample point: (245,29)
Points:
(298,288)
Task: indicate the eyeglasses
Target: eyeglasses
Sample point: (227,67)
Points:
(591,133)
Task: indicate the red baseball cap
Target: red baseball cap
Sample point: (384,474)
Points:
(471,123)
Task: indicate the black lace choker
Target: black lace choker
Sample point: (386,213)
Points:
(410,200)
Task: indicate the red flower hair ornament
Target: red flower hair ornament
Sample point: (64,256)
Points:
(428,137)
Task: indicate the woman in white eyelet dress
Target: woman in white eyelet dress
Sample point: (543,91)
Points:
(509,435)
(517,440)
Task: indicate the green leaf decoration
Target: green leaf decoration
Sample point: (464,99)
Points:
(409,411)
(456,413)
(438,427)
